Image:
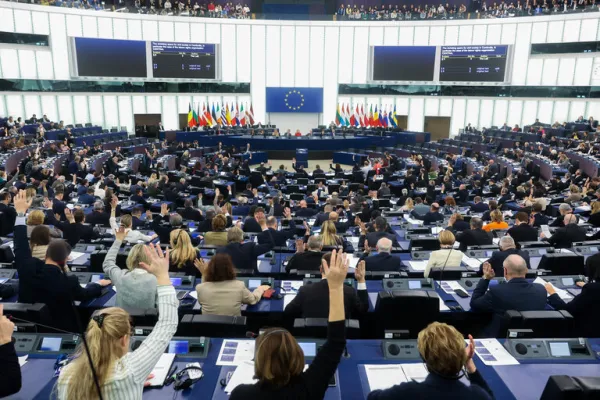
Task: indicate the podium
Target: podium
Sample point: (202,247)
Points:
(302,157)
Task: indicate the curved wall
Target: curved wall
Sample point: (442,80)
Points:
(297,53)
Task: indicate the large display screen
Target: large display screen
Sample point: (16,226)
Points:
(183,60)
(486,63)
(110,58)
(403,63)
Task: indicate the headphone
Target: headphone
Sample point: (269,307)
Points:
(182,379)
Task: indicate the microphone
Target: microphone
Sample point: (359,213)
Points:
(251,335)
(13,318)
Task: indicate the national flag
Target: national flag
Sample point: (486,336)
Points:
(363,121)
(237,114)
(223,115)
(393,120)
(352,119)
(242,115)
(380,116)
(338,116)
(190,120)
(376,117)
(347,115)
(356,116)
(371,116)
(207,116)
(214,115)
(251,115)
(200,117)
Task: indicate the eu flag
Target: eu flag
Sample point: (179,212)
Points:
(294,100)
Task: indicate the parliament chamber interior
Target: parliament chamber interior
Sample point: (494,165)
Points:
(313,200)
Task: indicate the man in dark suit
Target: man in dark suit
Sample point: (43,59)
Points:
(270,234)
(45,281)
(432,216)
(563,209)
(383,260)
(496,261)
(493,169)
(474,236)
(522,231)
(7,222)
(479,206)
(304,211)
(98,216)
(323,216)
(517,294)
(564,237)
(462,196)
(74,229)
(251,222)
(58,205)
(537,219)
(175,221)
(136,218)
(371,238)
(243,255)
(190,213)
(138,198)
(87,198)
(312,301)
(308,256)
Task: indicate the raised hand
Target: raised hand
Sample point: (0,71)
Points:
(336,271)
(359,273)
(287,213)
(120,234)
(164,209)
(299,246)
(21,203)
(200,265)
(470,352)
(158,263)
(488,271)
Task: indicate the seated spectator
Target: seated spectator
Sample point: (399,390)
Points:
(217,236)
(536,218)
(74,229)
(308,256)
(408,206)
(521,230)
(497,222)
(432,216)
(563,209)
(98,216)
(131,236)
(381,231)
(220,293)
(564,237)
(574,194)
(594,218)
(10,379)
(475,236)
(121,372)
(536,197)
(330,237)
(251,222)
(183,254)
(457,223)
(39,241)
(383,260)
(277,238)
(446,257)
(243,255)
(136,288)
(36,218)
(507,247)
(479,206)
(87,198)
(442,348)
(190,213)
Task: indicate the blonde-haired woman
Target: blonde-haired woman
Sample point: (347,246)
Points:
(594,218)
(135,287)
(446,257)
(183,253)
(122,374)
(574,194)
(36,218)
(330,237)
(497,222)
(408,206)
(443,350)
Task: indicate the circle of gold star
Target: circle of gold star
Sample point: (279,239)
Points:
(301,100)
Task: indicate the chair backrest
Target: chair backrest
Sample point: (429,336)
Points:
(36,313)
(410,310)
(213,326)
(545,324)
(317,328)
(562,263)
(563,387)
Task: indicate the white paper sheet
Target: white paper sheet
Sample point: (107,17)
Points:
(491,352)
(418,265)
(23,360)
(546,231)
(193,294)
(75,255)
(287,299)
(243,374)
(384,376)
(353,261)
(291,286)
(234,352)
(443,306)
(417,372)
(161,369)
(413,221)
(563,294)
(450,286)
(472,263)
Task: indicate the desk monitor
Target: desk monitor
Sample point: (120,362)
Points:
(309,349)
(559,349)
(429,244)
(176,281)
(50,344)
(96,278)
(254,283)
(178,347)
(414,284)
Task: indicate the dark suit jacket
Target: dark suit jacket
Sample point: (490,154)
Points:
(473,237)
(373,238)
(244,255)
(460,226)
(383,262)
(516,294)
(252,225)
(564,237)
(7,223)
(583,308)
(41,283)
(498,257)
(98,218)
(431,218)
(523,233)
(75,232)
(540,219)
(58,207)
(277,238)
(312,301)
(190,213)
(137,223)
(305,261)
(479,207)
(86,199)
(140,200)
(305,212)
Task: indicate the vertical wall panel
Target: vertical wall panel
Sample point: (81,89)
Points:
(330,75)
(60,54)
(65,109)
(576,110)
(472,115)
(49,106)
(451,37)
(14,106)
(169,113)
(493,34)
(436,35)
(416,119)
(111,111)
(39,21)
(228,55)
(198,32)
(288,62)
(566,70)
(123,29)
(96,110)
(402,105)
(583,71)
(90,26)
(258,72)
(153,105)
(74,26)
(479,35)
(375,36)
(317,56)
(534,71)
(588,26)
(80,104)
(213,34)
(446,107)
(539,31)
(530,112)
(509,33)
(406,36)
(465,34)
(500,112)
(432,106)
(3,107)
(458,116)
(126,113)
(137,31)
(182,32)
(550,72)
(390,36)
(183,103)
(544,113)
(166,33)
(9,58)
(139,104)
(486,109)
(571,31)
(7,18)
(515,113)
(521,54)
(561,111)
(302,49)
(105,28)
(23,21)
(593,109)
(27,64)
(32,106)
(243,53)
(421,37)
(274,51)
(361,55)
(555,31)
(344,67)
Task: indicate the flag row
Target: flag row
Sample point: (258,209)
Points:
(220,114)
(371,118)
